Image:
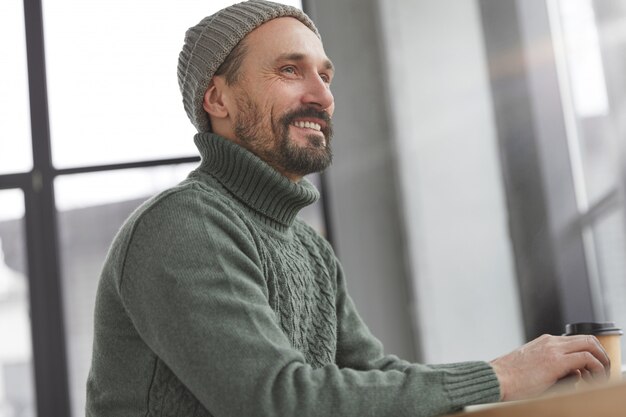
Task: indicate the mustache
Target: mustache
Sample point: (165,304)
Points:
(314,113)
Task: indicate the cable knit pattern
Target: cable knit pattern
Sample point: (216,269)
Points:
(301,289)
(170,398)
(306,296)
(216,300)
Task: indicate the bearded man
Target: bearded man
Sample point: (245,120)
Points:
(216,300)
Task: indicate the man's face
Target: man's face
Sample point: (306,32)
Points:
(283,104)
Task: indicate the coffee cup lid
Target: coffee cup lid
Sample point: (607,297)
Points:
(594,328)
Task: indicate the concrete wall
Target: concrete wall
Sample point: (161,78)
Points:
(417,196)
(362,186)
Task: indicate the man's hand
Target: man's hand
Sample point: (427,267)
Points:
(539,364)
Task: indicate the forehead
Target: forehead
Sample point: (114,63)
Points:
(284,35)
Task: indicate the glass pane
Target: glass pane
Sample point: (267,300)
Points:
(17,395)
(91,208)
(610,241)
(15,140)
(113,91)
(593,138)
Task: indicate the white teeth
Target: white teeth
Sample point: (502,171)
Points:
(308,125)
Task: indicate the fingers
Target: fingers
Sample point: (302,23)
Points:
(586,343)
(586,375)
(588,365)
(539,364)
(576,375)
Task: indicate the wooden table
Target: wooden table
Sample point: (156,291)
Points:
(606,401)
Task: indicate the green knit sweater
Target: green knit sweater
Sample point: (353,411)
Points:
(216,300)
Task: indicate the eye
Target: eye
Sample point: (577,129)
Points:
(289,70)
(325,78)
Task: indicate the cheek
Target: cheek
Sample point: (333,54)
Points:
(265,111)
(276,99)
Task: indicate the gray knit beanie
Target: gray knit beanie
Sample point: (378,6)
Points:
(209,43)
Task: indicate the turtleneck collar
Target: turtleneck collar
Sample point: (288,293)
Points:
(254,182)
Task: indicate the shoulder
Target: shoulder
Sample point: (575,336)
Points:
(188,205)
(181,226)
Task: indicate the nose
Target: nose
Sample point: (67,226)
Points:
(317,93)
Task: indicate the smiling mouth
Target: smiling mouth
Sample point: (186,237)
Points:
(308,125)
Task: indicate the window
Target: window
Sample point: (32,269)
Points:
(594,140)
(91,208)
(16,366)
(556,72)
(15,148)
(114,93)
(118,134)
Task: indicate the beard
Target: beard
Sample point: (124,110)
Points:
(271,141)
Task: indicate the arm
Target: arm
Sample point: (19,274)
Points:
(356,346)
(200,303)
(524,373)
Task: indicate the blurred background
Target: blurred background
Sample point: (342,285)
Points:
(475,201)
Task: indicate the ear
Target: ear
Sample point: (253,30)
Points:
(213,102)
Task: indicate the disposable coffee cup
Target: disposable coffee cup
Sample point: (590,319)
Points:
(609,337)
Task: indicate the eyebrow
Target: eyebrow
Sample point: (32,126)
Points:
(296,56)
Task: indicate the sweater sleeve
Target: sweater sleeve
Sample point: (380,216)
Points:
(358,348)
(194,289)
